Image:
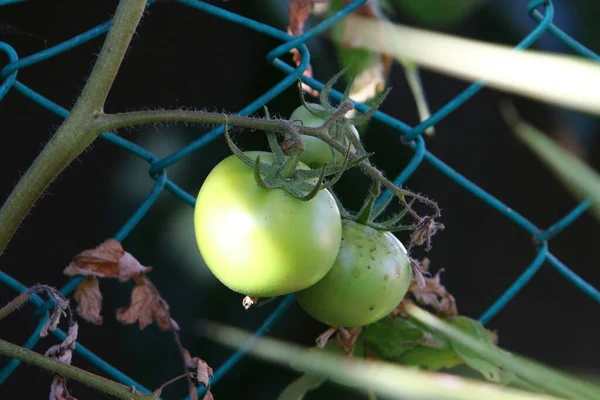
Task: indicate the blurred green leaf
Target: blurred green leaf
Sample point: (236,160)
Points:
(526,371)
(528,73)
(575,175)
(490,370)
(429,358)
(298,388)
(381,378)
(389,337)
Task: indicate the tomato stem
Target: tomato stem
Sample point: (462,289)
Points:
(77,131)
(107,122)
(87,378)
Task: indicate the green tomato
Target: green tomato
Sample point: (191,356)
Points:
(263,242)
(317,152)
(369,278)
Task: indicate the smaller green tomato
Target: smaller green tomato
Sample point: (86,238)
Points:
(317,152)
(369,278)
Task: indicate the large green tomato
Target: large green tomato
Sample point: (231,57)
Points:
(263,242)
(317,152)
(370,277)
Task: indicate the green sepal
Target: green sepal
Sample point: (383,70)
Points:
(366,116)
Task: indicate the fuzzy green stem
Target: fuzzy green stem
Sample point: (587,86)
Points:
(14,305)
(77,132)
(23,298)
(87,378)
(108,122)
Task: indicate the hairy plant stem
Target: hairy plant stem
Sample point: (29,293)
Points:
(77,132)
(107,122)
(23,298)
(87,378)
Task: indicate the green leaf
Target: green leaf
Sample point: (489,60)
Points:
(429,358)
(579,178)
(383,379)
(300,387)
(490,370)
(532,373)
(389,337)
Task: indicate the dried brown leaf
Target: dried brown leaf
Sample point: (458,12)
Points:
(59,310)
(107,260)
(89,300)
(324,337)
(202,370)
(146,306)
(347,338)
(63,352)
(130,267)
(102,261)
(430,293)
(58,389)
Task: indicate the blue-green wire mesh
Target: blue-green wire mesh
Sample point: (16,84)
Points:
(541,11)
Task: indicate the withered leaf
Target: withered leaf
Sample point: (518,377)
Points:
(324,337)
(60,307)
(89,300)
(107,260)
(434,294)
(146,306)
(130,267)
(101,262)
(203,371)
(431,293)
(63,352)
(58,389)
(347,338)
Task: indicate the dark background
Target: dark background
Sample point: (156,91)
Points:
(182,57)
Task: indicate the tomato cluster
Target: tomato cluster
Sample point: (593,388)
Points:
(263,242)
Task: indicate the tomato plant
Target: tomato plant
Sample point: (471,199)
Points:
(369,278)
(317,152)
(263,241)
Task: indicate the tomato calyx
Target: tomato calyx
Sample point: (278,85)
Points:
(422,230)
(284,173)
(367,217)
(340,121)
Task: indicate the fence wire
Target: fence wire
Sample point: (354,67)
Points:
(541,11)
